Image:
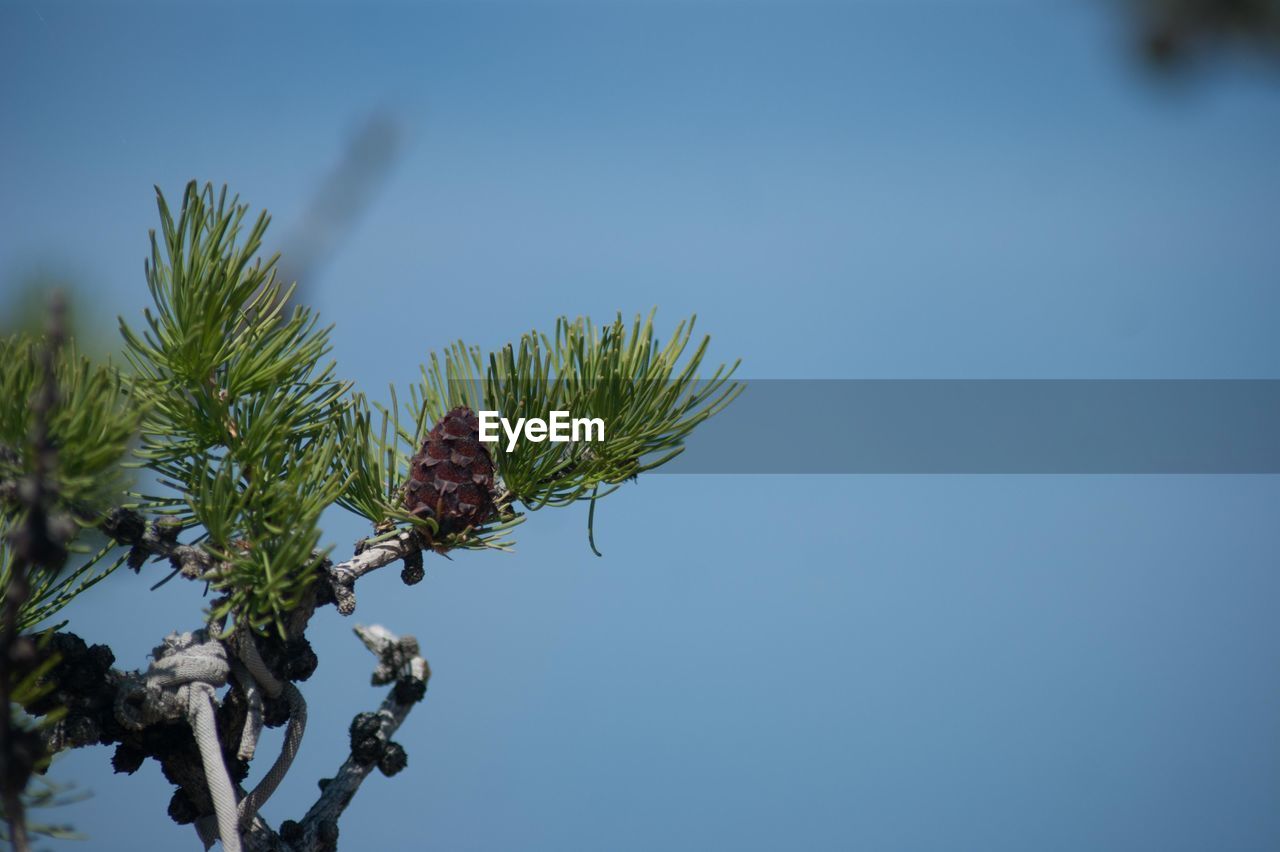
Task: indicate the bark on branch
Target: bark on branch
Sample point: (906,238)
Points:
(97,688)
(399,662)
(86,682)
(155,538)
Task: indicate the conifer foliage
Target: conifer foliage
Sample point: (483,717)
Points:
(235,424)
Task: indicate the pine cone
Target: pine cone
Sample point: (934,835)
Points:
(451,477)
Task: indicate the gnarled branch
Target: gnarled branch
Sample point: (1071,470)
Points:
(156,538)
(399,662)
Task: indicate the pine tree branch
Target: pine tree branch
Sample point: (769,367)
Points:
(94,693)
(371,555)
(152,538)
(85,680)
(156,538)
(37,543)
(399,662)
(257,438)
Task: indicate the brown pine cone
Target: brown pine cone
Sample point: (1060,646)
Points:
(451,477)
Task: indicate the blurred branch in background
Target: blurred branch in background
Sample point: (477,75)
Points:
(1178,33)
(334,209)
(25,308)
(39,540)
(341,199)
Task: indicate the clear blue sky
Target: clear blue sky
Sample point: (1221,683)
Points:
(879,190)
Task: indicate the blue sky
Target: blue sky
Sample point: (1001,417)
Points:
(875,190)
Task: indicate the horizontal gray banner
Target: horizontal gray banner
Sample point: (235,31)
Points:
(992,426)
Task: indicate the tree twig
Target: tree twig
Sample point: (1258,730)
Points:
(152,538)
(369,557)
(399,662)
